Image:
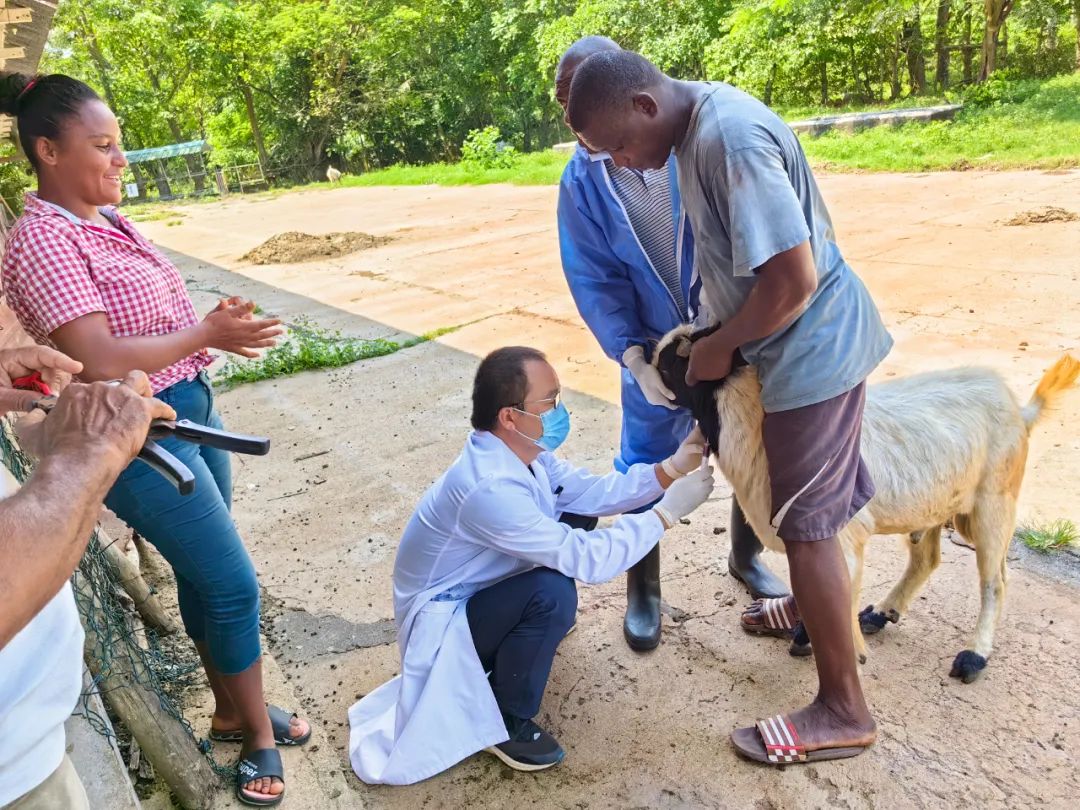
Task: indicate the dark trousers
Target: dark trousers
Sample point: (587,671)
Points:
(517,625)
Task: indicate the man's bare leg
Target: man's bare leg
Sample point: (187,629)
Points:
(838,715)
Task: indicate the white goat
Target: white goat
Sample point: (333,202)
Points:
(946,445)
(332,174)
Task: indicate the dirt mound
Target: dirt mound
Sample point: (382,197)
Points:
(294,246)
(1038,215)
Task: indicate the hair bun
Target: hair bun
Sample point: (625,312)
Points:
(12,86)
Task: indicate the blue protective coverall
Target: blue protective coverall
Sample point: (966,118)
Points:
(620,295)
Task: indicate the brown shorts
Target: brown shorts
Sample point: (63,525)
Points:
(817,476)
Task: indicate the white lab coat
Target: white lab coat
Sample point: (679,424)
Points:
(486,519)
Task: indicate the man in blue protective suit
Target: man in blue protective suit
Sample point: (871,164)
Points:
(627,253)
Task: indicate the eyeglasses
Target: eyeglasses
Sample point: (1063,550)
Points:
(555,402)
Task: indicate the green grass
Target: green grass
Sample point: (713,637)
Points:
(1016,125)
(530,169)
(309,347)
(152,212)
(1050,536)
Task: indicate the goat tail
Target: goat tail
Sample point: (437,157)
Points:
(1059,378)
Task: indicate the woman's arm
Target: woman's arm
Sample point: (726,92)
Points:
(229,328)
(105,357)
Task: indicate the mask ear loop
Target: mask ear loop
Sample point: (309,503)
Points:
(522,435)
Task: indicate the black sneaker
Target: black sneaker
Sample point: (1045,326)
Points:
(529,748)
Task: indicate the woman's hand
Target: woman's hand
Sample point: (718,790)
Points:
(231,327)
(233,301)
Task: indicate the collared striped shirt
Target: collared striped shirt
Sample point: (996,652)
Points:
(646,195)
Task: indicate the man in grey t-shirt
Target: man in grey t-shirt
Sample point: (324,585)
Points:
(627,254)
(775,280)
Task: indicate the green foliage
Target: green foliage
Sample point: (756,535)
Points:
(1042,42)
(15,180)
(366,84)
(1000,90)
(484,148)
(309,347)
(1050,536)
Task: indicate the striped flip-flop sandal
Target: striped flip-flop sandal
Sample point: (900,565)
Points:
(775,741)
(777,616)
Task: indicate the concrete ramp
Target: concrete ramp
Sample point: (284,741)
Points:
(853,122)
(96,757)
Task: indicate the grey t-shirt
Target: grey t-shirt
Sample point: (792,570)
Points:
(749,193)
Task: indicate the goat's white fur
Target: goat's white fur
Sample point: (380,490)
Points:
(939,446)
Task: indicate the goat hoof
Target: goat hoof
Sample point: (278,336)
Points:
(968,666)
(800,642)
(873,621)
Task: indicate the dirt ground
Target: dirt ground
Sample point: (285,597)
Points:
(1039,216)
(294,246)
(354,449)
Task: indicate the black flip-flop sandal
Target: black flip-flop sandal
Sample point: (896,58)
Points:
(258,765)
(279,721)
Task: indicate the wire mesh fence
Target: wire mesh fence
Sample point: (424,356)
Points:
(166,666)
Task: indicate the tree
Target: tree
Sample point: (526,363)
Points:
(1076,24)
(913,48)
(941,45)
(966,47)
(367,83)
(142,75)
(239,45)
(995,12)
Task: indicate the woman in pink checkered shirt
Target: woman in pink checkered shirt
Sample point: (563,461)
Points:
(81,278)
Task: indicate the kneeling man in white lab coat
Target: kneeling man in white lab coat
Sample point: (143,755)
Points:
(484,581)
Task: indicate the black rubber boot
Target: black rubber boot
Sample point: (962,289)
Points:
(744,561)
(642,623)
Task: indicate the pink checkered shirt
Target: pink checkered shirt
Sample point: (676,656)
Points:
(57,269)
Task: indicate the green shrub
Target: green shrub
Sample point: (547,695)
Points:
(1001,88)
(484,147)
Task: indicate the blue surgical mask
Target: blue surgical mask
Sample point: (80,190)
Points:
(556,424)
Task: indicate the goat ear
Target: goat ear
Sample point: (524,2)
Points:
(683,349)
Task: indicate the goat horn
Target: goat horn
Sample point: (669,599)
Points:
(683,349)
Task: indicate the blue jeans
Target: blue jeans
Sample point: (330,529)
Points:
(516,626)
(215,579)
